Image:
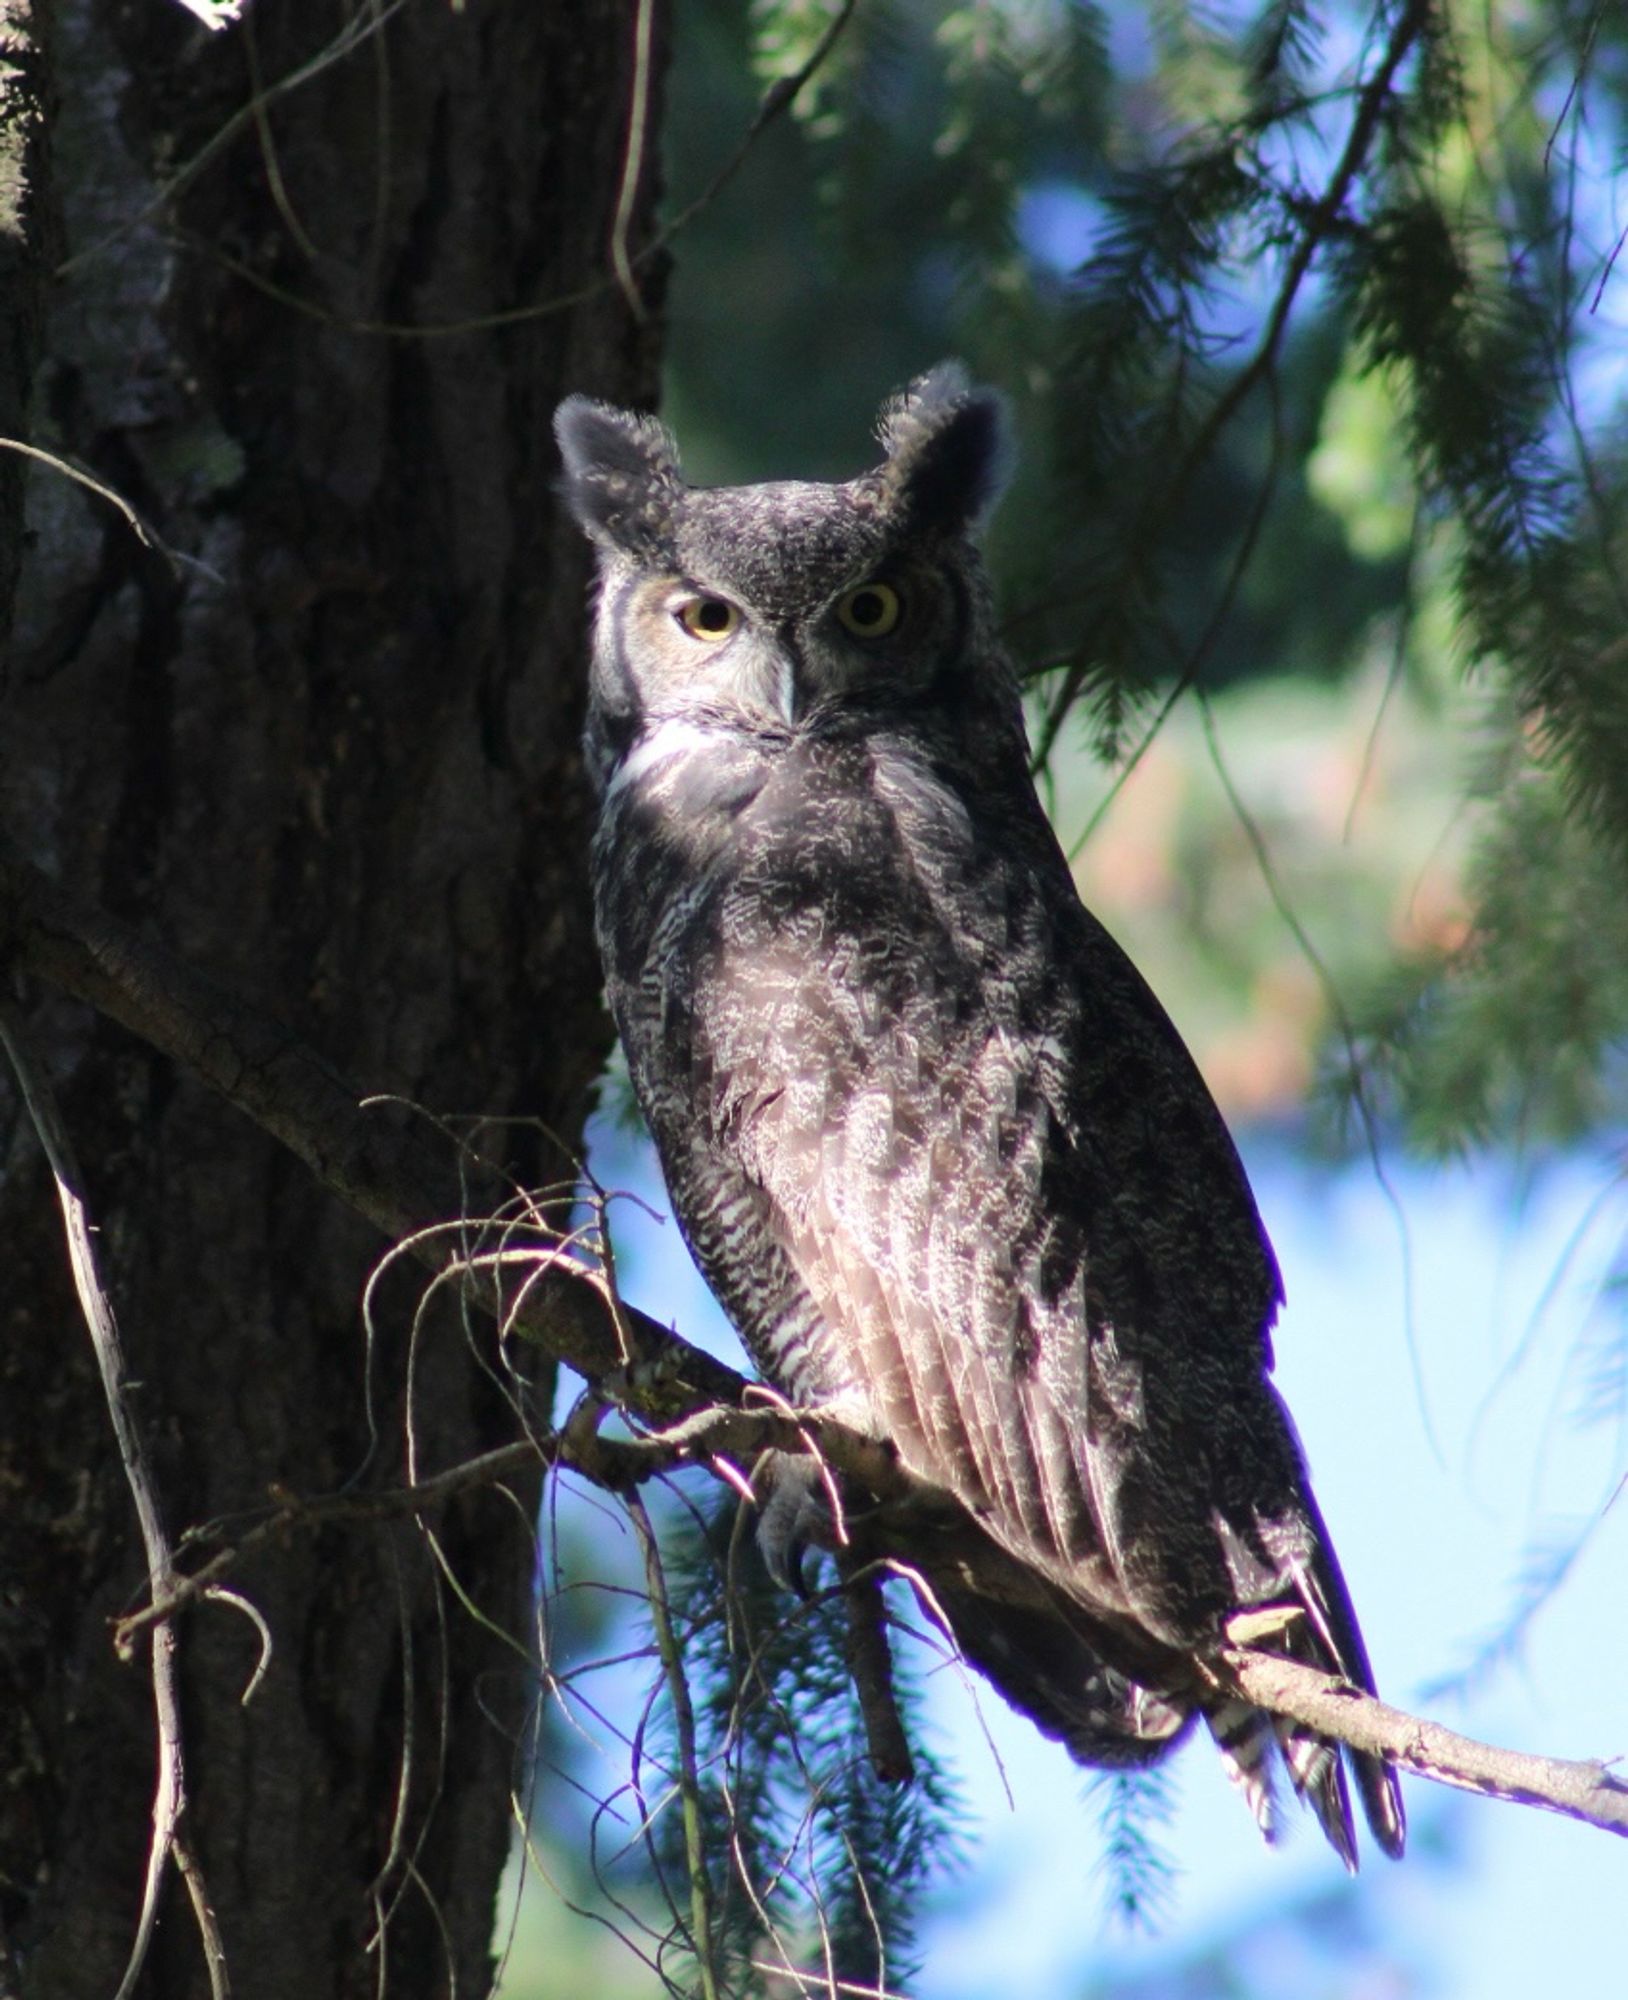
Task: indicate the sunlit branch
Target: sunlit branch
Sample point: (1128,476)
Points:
(1588,1791)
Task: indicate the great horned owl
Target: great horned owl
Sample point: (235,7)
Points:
(934,1143)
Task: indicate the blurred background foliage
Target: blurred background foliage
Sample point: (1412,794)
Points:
(1310,319)
(1309,322)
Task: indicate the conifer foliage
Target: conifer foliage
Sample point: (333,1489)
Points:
(1179,236)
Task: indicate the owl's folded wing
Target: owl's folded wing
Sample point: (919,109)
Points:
(1051,1330)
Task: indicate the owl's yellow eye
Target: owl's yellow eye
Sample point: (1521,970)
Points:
(709,618)
(871,611)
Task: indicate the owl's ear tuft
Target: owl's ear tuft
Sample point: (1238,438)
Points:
(621,475)
(946,451)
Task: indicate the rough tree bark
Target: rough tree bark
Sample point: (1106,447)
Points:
(332,758)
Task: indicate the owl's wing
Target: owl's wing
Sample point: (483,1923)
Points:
(990,1163)
(987,1158)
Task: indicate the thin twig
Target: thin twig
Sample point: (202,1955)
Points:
(821,1982)
(294,1514)
(1574,88)
(170,1795)
(256,1618)
(778,98)
(1347,1031)
(870,1667)
(143,533)
(689,1782)
(1193,664)
(638,133)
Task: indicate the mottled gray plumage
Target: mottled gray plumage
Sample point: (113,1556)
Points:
(934,1143)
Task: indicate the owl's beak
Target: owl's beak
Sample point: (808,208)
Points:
(789,675)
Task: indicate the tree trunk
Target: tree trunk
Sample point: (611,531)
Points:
(330,755)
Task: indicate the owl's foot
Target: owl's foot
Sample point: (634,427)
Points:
(794,1516)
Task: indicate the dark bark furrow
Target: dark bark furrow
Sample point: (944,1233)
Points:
(336,768)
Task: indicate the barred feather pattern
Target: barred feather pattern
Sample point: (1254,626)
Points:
(933,1141)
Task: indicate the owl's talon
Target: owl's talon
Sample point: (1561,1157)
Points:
(793,1518)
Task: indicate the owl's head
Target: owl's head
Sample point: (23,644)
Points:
(779,603)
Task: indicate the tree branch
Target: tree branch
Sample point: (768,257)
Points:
(1588,1791)
(721,1438)
(870,1667)
(170,1793)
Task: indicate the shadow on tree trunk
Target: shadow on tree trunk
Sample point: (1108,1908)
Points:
(330,757)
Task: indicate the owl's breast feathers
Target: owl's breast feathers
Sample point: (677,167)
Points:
(936,1086)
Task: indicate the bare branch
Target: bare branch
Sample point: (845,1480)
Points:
(638,136)
(170,1795)
(712,1437)
(143,532)
(387,1170)
(1588,1791)
(870,1666)
(292,1513)
(689,1785)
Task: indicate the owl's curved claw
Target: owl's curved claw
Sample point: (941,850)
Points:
(793,1518)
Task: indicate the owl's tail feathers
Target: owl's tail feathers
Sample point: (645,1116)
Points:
(1251,1742)
(1248,1745)
(1381,1802)
(1321,1630)
(1335,1645)
(1317,1772)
